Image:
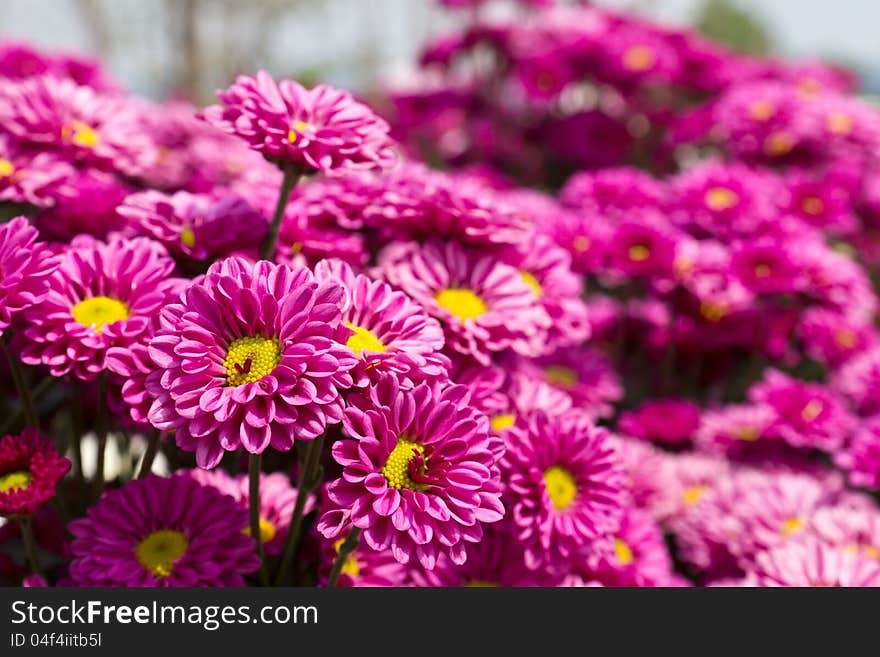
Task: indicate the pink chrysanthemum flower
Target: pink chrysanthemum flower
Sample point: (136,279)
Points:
(30,469)
(163,532)
(807,414)
(688,478)
(765,266)
(832,338)
(564,486)
(733,429)
(812,562)
(420,475)
(28,177)
(641,249)
(104,130)
(320,129)
(613,191)
(859,381)
(196,225)
(390,333)
(666,421)
(485,305)
(546,269)
(636,555)
(26,265)
(413,202)
(646,473)
(277,500)
(103,295)
(584,235)
(251,358)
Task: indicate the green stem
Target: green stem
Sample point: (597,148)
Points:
(152,448)
(347,547)
(30,544)
(308,481)
(37,393)
(291,177)
(101,433)
(76,434)
(24,393)
(254,464)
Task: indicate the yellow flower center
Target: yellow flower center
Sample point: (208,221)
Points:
(638,58)
(188,237)
(564,377)
(461,302)
(158,551)
(267,531)
(81,134)
(845,338)
(713,312)
(298,127)
(747,433)
(350,567)
(501,422)
(778,143)
(396,466)
(762,271)
(791,526)
(561,487)
(840,123)
(533,283)
(623,551)
(761,110)
(18,480)
(481,584)
(6,168)
(693,494)
(812,205)
(363,340)
(581,244)
(721,198)
(809,86)
(639,252)
(250,359)
(97,312)
(812,409)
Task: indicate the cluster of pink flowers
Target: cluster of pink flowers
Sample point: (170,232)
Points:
(321,362)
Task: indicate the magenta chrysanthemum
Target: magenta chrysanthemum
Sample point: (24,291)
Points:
(26,265)
(103,295)
(389,332)
(485,305)
(195,225)
(28,177)
(322,129)
(30,469)
(105,130)
(277,501)
(163,532)
(251,357)
(564,485)
(420,475)
(812,562)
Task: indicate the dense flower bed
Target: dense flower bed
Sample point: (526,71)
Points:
(297,355)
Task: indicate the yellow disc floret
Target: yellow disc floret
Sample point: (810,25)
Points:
(623,551)
(564,377)
(461,302)
(639,58)
(17,480)
(693,494)
(159,550)
(97,312)
(363,340)
(250,359)
(639,253)
(561,486)
(533,283)
(188,237)
(501,422)
(721,198)
(81,134)
(6,168)
(396,466)
(350,566)
(267,531)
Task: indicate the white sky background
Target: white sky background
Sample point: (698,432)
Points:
(354,41)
